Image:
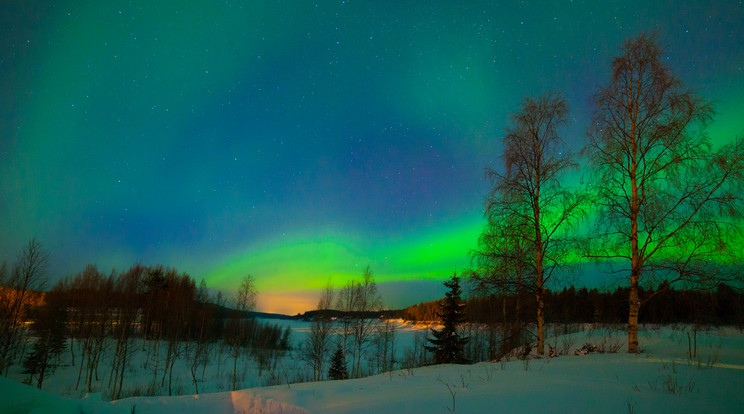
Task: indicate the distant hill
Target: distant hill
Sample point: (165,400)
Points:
(266,315)
(331,313)
(224,310)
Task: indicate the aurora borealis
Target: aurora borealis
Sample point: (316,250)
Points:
(301,141)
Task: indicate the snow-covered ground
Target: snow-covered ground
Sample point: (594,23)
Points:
(139,377)
(660,380)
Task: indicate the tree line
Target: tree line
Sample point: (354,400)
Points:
(153,310)
(721,306)
(101,321)
(497,327)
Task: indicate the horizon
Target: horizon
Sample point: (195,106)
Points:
(300,143)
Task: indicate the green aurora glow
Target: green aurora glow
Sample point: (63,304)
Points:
(301,141)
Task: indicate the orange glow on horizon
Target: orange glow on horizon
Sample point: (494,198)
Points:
(287,303)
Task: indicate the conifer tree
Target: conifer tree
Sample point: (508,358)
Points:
(338,365)
(447,344)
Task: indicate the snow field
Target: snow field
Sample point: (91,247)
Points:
(661,380)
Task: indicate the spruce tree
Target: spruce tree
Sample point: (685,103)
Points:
(447,344)
(338,365)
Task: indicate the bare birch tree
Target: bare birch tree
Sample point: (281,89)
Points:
(127,292)
(530,190)
(317,341)
(385,345)
(236,331)
(88,297)
(203,319)
(499,271)
(366,300)
(180,302)
(345,304)
(28,276)
(663,195)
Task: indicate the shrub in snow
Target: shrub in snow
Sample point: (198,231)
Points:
(587,348)
(551,351)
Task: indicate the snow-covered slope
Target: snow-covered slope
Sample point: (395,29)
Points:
(661,380)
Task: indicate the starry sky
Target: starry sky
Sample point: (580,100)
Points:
(301,141)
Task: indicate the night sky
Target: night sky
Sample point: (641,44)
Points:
(299,141)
